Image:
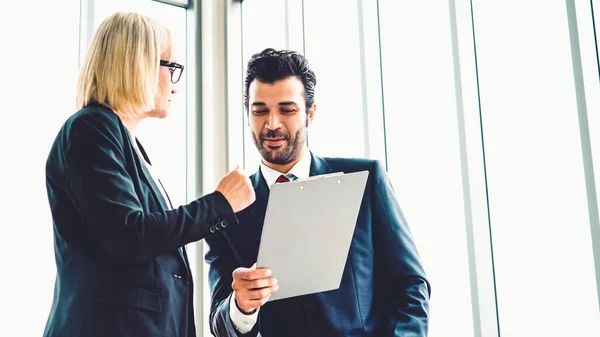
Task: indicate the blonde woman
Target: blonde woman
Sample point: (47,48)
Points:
(122,269)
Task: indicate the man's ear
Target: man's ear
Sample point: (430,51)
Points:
(247,115)
(311,114)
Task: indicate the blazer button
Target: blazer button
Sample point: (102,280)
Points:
(213,229)
(224,224)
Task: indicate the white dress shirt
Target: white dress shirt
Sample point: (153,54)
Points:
(242,322)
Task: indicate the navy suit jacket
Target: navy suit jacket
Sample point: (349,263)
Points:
(383,292)
(119,270)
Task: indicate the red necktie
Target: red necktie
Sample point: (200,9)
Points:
(282,179)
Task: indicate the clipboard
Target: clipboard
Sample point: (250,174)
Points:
(308,228)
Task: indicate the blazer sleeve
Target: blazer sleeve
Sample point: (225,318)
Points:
(222,262)
(398,272)
(104,194)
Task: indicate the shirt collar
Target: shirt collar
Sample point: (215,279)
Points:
(301,170)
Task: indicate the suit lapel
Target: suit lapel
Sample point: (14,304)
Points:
(148,178)
(245,239)
(318,166)
(262,196)
(155,190)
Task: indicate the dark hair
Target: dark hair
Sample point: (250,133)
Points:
(270,66)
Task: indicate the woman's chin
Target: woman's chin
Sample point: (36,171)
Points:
(163,113)
(158,113)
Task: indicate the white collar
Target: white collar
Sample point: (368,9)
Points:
(301,170)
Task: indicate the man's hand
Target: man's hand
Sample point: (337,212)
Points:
(252,288)
(237,189)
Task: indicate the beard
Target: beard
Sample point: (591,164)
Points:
(282,154)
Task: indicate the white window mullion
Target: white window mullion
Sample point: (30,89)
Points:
(480,251)
(372,101)
(586,72)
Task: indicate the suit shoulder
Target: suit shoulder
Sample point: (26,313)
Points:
(94,122)
(89,128)
(80,128)
(99,116)
(351,164)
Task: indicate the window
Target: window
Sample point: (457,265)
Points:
(538,208)
(423,151)
(333,53)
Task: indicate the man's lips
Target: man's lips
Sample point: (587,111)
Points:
(274,142)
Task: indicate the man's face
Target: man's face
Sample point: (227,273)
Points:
(278,119)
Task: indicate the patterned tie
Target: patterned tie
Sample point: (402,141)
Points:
(285,178)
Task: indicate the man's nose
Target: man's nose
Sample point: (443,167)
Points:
(273,122)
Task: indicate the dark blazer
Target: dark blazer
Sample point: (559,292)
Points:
(120,272)
(383,292)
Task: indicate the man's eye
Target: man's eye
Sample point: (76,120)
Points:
(259,112)
(288,111)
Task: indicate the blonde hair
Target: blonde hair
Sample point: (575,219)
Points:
(122,64)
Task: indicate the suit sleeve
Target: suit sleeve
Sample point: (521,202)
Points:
(222,262)
(104,194)
(397,265)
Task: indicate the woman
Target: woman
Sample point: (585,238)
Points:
(121,268)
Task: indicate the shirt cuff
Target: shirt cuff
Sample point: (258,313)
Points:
(242,322)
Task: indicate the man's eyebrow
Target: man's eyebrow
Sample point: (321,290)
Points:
(288,103)
(258,104)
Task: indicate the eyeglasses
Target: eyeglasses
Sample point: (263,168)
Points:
(176,70)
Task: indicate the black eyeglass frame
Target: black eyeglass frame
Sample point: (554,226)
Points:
(172,66)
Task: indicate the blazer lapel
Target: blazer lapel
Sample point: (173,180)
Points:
(155,190)
(261,189)
(245,239)
(318,166)
(148,177)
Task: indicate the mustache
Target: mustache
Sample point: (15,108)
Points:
(274,134)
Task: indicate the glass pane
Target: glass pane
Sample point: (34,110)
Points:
(263,25)
(541,231)
(334,54)
(423,151)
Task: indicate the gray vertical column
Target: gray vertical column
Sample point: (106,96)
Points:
(194,171)
(219,43)
(194,100)
(586,145)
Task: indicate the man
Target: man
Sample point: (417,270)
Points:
(383,292)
